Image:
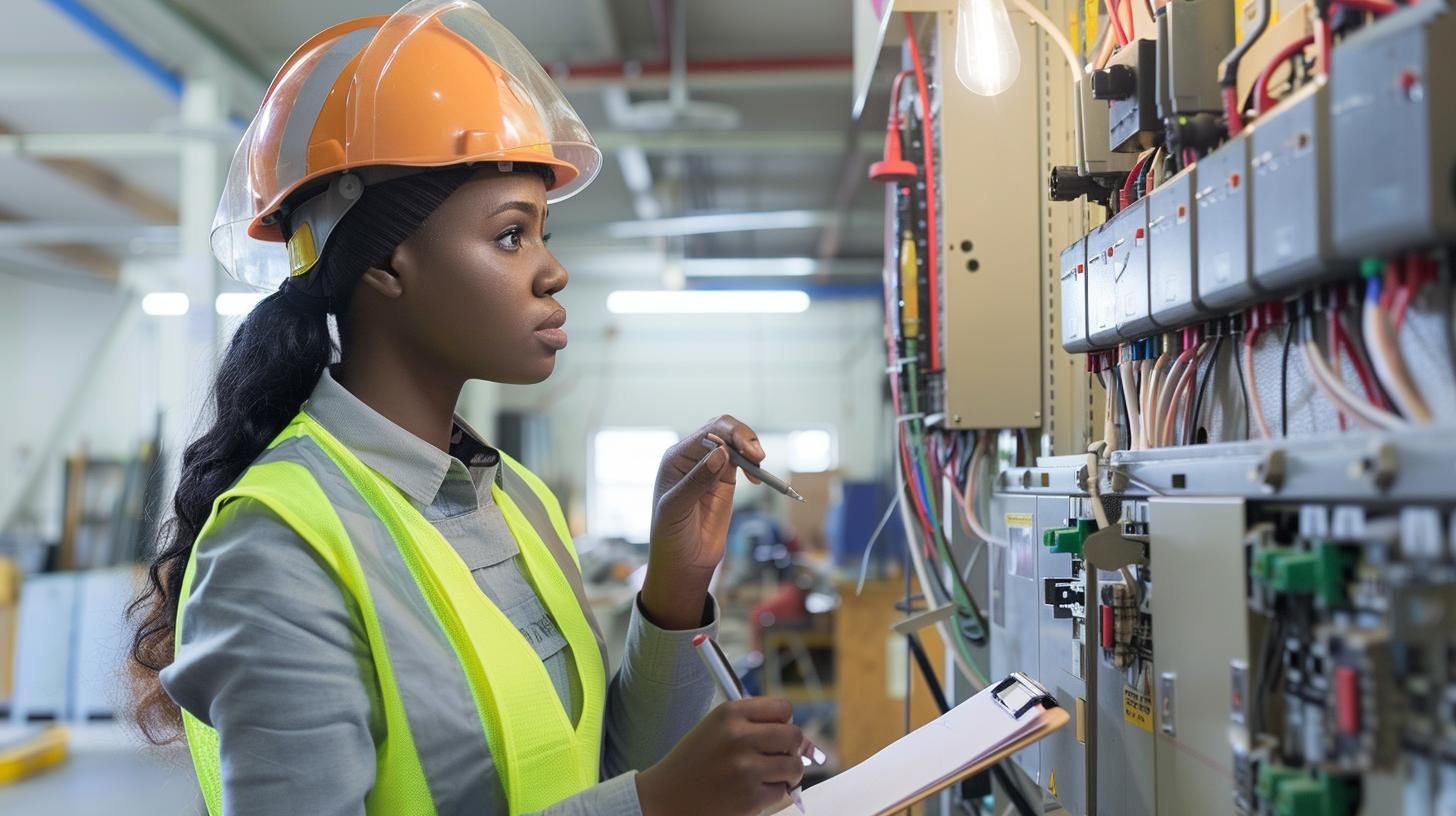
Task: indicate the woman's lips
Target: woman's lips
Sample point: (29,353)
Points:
(553,338)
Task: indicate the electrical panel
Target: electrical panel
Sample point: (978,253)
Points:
(1291,192)
(1173,250)
(1102,264)
(1393,109)
(1130,282)
(1222,198)
(1073,274)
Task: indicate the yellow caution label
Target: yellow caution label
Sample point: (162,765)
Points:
(1019,520)
(1137,708)
(1052,784)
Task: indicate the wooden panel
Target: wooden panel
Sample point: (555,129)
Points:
(869,718)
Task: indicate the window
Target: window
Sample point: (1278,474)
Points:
(623,471)
(806,451)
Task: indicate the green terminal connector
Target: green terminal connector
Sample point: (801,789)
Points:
(1272,779)
(1069,539)
(1322,795)
(1320,571)
(1371,268)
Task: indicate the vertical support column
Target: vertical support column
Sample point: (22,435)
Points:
(189,348)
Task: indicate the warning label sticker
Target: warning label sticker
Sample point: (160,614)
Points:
(1023,546)
(1137,708)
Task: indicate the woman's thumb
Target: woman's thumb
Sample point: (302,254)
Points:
(697,481)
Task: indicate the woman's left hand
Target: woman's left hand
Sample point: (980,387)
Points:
(692,506)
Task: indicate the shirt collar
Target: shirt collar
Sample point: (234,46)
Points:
(409,462)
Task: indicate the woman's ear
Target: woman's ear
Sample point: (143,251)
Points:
(384,282)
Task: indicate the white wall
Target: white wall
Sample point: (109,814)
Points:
(822,368)
(48,337)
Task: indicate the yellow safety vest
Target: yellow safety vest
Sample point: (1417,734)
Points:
(540,756)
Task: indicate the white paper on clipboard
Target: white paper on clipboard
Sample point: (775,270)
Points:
(928,758)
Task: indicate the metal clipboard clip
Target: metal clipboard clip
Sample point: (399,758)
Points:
(1018,694)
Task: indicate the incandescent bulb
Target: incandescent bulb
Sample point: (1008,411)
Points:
(987,58)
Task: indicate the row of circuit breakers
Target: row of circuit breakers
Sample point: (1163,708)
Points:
(1339,171)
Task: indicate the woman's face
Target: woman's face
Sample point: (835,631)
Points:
(478,285)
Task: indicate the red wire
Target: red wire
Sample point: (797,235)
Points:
(1266,99)
(1116,20)
(1230,94)
(928,140)
(1415,278)
(1367,381)
(1125,198)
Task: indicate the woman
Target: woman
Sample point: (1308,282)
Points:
(362,607)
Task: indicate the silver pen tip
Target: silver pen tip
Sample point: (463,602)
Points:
(794,494)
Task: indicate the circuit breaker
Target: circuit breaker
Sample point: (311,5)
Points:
(1173,250)
(1102,263)
(1222,198)
(1393,113)
(1073,275)
(1292,191)
(1130,281)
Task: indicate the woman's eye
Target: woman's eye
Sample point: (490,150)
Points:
(510,239)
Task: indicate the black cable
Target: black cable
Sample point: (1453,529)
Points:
(1207,375)
(1243,389)
(1284,381)
(1018,799)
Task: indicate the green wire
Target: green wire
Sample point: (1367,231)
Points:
(958,593)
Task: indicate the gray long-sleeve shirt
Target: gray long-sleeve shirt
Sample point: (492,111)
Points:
(271,657)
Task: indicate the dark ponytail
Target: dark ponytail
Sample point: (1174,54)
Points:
(272,364)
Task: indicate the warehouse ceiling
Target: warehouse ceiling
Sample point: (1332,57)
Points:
(91,90)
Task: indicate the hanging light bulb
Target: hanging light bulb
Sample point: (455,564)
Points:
(987,58)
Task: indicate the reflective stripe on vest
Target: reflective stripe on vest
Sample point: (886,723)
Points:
(437,644)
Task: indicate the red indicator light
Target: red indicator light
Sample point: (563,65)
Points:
(1347,699)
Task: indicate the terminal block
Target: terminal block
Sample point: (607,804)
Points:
(1069,539)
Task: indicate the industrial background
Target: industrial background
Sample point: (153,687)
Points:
(1111,343)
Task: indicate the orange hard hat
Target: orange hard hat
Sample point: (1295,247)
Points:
(438,83)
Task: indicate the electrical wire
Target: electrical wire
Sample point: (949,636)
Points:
(1180,393)
(1284,381)
(1338,394)
(864,564)
(1243,391)
(932,229)
(1252,390)
(1390,367)
(1114,20)
(1134,420)
(1261,85)
(1336,332)
(1207,376)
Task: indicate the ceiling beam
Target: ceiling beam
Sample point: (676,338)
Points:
(75,78)
(739,142)
(107,184)
(80,255)
(730,80)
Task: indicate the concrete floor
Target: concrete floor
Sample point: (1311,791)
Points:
(108,773)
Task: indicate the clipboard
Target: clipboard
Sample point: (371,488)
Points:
(999,721)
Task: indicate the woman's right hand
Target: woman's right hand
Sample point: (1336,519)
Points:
(742,758)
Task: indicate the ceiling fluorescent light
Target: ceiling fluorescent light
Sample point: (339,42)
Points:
(720,222)
(165,304)
(699,301)
(230,304)
(748,267)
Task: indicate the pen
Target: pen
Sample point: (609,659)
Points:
(717,664)
(755,471)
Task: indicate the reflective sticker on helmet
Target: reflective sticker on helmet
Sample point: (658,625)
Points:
(302,254)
